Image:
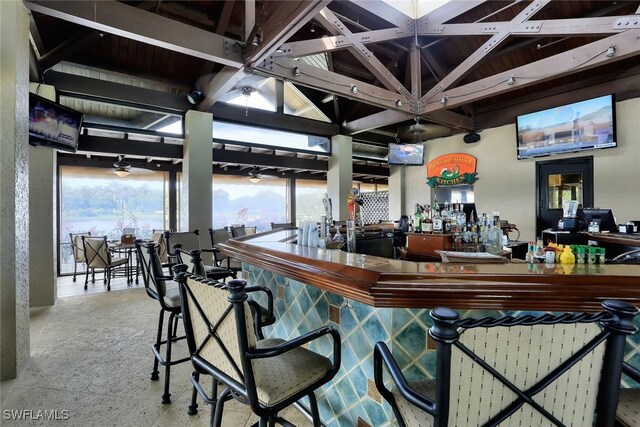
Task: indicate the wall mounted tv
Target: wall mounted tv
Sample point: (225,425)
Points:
(406,154)
(53,125)
(584,125)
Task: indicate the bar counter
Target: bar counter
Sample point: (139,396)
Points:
(370,299)
(381,282)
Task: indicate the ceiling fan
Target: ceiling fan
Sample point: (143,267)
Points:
(246,86)
(123,168)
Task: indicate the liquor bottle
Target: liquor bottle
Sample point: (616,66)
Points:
(427,223)
(438,226)
(417,219)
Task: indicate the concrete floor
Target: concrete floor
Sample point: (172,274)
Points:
(91,357)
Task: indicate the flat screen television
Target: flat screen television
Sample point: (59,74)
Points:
(584,125)
(604,218)
(406,154)
(53,125)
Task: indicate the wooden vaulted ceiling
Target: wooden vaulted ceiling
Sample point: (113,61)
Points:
(469,65)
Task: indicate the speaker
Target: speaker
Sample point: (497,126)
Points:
(472,137)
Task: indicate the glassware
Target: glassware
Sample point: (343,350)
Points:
(351,236)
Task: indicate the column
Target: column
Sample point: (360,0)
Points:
(195,192)
(340,175)
(14,188)
(42,203)
(396,195)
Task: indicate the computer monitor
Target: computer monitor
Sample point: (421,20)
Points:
(604,218)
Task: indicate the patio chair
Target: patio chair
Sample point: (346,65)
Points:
(78,250)
(188,241)
(268,375)
(97,254)
(218,236)
(550,369)
(628,413)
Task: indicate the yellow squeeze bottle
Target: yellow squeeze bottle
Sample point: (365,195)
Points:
(567,257)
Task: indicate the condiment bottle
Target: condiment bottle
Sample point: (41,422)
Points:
(567,257)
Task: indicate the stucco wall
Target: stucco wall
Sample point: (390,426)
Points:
(508,185)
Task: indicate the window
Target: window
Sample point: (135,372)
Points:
(309,195)
(96,200)
(236,200)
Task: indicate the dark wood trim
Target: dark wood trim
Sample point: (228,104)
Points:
(616,238)
(427,285)
(271,120)
(173,200)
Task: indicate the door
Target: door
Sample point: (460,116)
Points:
(558,181)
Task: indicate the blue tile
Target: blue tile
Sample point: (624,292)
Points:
(295,312)
(367,366)
(401,357)
(428,363)
(296,287)
(401,316)
(313,319)
(280,307)
(289,297)
(346,420)
(413,373)
(348,323)
(304,301)
(314,293)
(346,392)
(361,310)
(349,359)
(375,412)
(375,331)
(334,400)
(303,327)
(413,339)
(334,299)
(359,380)
(322,307)
(385,315)
(360,344)
(425,318)
(325,410)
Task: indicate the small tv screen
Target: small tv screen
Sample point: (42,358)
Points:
(53,125)
(584,125)
(406,154)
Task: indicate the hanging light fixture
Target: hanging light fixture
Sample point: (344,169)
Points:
(254,175)
(122,168)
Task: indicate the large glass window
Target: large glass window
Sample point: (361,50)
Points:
(309,195)
(236,200)
(270,137)
(96,200)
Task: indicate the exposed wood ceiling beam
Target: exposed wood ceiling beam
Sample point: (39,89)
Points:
(225,16)
(76,43)
(545,28)
(377,120)
(331,43)
(112,91)
(384,11)
(449,11)
(566,63)
(34,35)
(213,87)
(249,19)
(481,53)
(285,21)
(328,81)
(127,21)
(364,55)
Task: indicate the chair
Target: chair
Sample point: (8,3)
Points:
(78,250)
(218,236)
(96,252)
(551,369)
(628,413)
(190,240)
(162,289)
(278,225)
(242,231)
(269,374)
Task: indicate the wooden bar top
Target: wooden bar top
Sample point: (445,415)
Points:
(617,238)
(382,282)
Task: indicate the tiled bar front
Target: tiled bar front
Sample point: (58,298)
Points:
(351,396)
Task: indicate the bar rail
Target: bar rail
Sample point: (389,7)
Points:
(381,282)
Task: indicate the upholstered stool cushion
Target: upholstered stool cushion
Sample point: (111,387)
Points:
(412,415)
(216,273)
(172,295)
(118,261)
(628,413)
(280,377)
